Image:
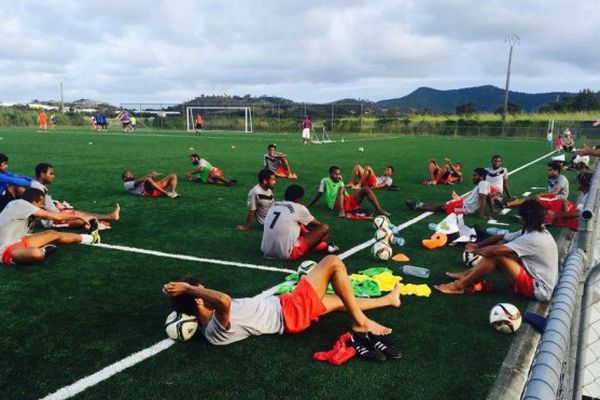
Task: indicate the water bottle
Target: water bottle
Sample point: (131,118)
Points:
(398,241)
(433,226)
(419,272)
(496,231)
(394,228)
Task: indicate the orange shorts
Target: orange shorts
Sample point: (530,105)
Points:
(8,252)
(215,172)
(350,203)
(524,284)
(299,249)
(454,206)
(301,307)
(282,172)
(369,181)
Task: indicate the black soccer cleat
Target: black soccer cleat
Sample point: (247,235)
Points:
(383,344)
(49,250)
(364,348)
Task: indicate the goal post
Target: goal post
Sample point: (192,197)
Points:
(221,118)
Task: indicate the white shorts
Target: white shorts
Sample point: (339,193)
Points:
(305,133)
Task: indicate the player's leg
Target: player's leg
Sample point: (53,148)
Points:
(368,193)
(357,173)
(316,236)
(333,302)
(369,178)
(433,168)
(332,270)
(286,165)
(169,181)
(339,202)
(113,216)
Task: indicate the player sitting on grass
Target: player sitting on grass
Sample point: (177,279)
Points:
(497,176)
(564,213)
(278,163)
(366,177)
(449,174)
(260,199)
(11,186)
(45,175)
(528,259)
(291,231)
(474,200)
(17,247)
(338,199)
(224,320)
(149,186)
(558,187)
(207,173)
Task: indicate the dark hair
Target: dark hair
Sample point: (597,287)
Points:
(264,175)
(185,303)
(3,158)
(532,213)
(32,195)
(42,168)
(333,168)
(271,145)
(496,156)
(555,165)
(390,167)
(584,179)
(123,173)
(293,193)
(481,172)
(194,155)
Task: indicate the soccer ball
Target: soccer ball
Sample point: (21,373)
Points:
(383,235)
(306,267)
(381,251)
(470,259)
(180,326)
(505,318)
(381,221)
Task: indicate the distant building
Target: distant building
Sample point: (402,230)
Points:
(39,106)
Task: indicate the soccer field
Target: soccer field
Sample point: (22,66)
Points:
(87,308)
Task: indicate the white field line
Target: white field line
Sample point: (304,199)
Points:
(113,369)
(192,258)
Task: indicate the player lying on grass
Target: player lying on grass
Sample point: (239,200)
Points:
(564,213)
(558,186)
(45,175)
(207,173)
(497,176)
(149,186)
(338,199)
(449,174)
(224,320)
(466,204)
(11,186)
(366,177)
(290,230)
(528,259)
(17,247)
(278,163)
(260,199)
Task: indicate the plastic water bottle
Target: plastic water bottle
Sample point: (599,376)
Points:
(413,270)
(496,231)
(433,226)
(398,241)
(394,228)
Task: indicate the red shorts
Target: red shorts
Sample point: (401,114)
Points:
(454,206)
(299,249)
(301,307)
(152,193)
(350,203)
(215,172)
(7,254)
(524,284)
(282,172)
(369,181)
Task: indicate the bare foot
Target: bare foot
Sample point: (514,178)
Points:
(457,274)
(372,327)
(450,288)
(116,214)
(394,296)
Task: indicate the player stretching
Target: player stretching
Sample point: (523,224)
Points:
(338,199)
(306,128)
(207,173)
(291,231)
(198,125)
(11,186)
(558,187)
(449,174)
(260,199)
(278,163)
(42,121)
(17,247)
(149,186)
(366,177)
(44,175)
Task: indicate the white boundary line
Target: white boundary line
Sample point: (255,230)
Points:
(113,369)
(192,258)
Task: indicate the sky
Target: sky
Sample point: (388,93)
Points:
(314,51)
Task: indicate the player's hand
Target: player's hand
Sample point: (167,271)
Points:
(447,160)
(188,176)
(172,289)
(585,151)
(242,227)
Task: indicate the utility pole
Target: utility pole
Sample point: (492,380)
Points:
(512,40)
(62,98)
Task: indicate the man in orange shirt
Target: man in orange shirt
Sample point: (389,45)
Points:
(199,122)
(42,121)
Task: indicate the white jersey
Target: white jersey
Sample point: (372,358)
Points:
(560,182)
(132,188)
(48,201)
(496,177)
(282,228)
(471,199)
(15,221)
(260,200)
(385,181)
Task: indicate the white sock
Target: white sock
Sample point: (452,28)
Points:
(87,239)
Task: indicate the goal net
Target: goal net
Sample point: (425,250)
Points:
(215,118)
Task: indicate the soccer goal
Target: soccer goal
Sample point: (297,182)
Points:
(319,135)
(215,118)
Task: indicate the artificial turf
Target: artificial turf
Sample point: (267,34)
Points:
(86,308)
